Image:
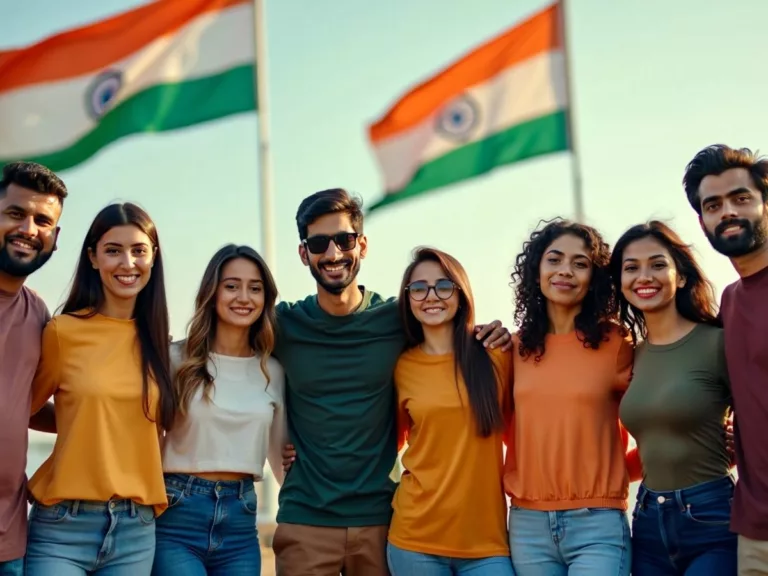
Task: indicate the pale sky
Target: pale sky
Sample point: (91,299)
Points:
(654,82)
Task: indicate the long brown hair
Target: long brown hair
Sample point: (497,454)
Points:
(150,313)
(201,333)
(695,301)
(471,358)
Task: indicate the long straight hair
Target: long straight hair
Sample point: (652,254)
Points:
(471,358)
(150,313)
(695,301)
(201,334)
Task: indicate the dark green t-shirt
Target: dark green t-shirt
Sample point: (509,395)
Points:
(340,400)
(675,409)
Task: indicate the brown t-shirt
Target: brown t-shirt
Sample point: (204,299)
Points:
(23,316)
(744,311)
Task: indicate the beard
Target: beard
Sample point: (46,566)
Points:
(19,269)
(336,287)
(752,237)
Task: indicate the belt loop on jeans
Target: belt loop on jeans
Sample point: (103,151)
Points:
(680,500)
(642,495)
(242,488)
(75,506)
(134,509)
(188,487)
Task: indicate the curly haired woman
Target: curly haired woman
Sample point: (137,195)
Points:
(565,467)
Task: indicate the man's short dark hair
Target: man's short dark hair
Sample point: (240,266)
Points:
(716,159)
(330,201)
(32,176)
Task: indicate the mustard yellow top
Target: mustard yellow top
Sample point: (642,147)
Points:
(106,447)
(450,501)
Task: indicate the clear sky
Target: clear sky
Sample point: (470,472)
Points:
(654,82)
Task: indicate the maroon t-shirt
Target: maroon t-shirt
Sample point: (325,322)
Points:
(744,311)
(23,316)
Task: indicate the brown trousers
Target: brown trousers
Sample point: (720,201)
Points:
(753,557)
(302,550)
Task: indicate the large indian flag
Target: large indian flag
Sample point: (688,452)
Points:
(162,66)
(504,102)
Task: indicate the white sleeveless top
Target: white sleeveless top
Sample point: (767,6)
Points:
(241,426)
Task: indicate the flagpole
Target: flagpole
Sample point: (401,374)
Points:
(265,151)
(578,195)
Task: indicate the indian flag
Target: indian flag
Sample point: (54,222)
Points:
(162,66)
(504,102)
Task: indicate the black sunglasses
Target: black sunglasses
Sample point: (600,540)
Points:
(419,290)
(318,244)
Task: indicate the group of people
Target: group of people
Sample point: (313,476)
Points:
(158,443)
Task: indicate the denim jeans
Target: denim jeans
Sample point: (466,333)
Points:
(77,537)
(209,528)
(685,532)
(406,563)
(12,567)
(582,542)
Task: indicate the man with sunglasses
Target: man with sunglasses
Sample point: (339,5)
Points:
(339,348)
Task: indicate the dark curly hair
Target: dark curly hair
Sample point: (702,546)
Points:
(599,310)
(695,301)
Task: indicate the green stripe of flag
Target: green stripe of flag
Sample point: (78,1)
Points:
(543,135)
(161,108)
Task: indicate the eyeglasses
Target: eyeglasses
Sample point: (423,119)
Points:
(318,244)
(419,290)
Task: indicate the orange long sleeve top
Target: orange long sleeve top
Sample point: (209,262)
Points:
(566,446)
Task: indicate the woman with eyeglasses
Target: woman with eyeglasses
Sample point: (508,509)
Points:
(676,407)
(449,509)
(565,468)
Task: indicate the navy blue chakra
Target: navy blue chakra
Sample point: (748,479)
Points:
(458,119)
(103,92)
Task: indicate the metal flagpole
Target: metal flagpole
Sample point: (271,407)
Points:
(265,151)
(578,196)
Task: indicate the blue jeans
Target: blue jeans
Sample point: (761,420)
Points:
(209,528)
(582,542)
(684,532)
(77,537)
(406,563)
(12,567)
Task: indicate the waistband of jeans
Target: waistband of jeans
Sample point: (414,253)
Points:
(191,484)
(645,496)
(75,507)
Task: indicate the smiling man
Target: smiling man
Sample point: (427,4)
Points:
(728,189)
(339,348)
(31,198)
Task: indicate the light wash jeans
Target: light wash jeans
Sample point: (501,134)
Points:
(79,538)
(582,542)
(406,563)
(209,529)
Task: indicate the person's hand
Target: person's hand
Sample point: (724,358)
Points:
(289,455)
(494,335)
(730,442)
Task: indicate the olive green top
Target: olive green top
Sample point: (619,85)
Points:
(675,409)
